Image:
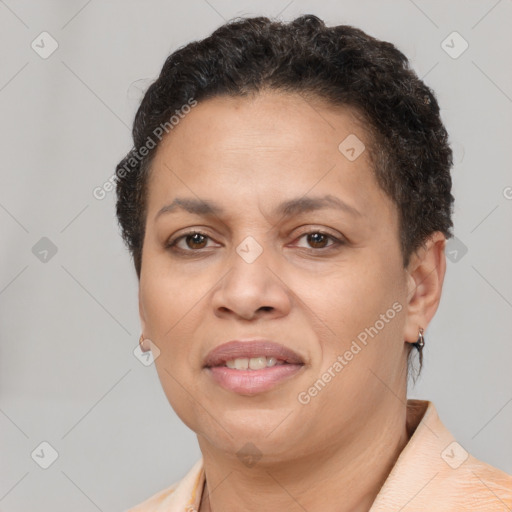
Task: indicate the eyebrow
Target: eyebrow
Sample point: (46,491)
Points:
(285,209)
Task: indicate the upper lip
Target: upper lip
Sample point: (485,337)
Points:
(251,348)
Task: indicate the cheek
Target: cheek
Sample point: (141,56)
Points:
(179,390)
(362,303)
(168,311)
(172,320)
(167,295)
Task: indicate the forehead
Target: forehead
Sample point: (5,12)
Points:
(282,122)
(271,145)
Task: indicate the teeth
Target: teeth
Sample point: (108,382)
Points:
(257,363)
(242,363)
(254,363)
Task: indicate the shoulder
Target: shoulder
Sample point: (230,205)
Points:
(480,485)
(180,496)
(154,502)
(435,472)
(459,479)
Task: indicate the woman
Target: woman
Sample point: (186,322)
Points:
(287,203)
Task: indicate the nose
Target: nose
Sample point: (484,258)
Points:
(252,290)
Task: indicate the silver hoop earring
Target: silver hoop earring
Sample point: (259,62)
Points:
(420,343)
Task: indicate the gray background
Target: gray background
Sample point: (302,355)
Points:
(69,321)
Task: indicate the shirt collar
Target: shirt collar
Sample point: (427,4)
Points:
(428,474)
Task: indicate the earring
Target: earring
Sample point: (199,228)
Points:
(141,343)
(420,343)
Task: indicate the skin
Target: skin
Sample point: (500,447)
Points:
(248,155)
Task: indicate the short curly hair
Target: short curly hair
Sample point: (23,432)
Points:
(341,65)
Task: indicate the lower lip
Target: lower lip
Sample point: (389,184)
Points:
(251,382)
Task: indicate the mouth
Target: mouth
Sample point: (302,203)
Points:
(251,367)
(253,363)
(253,354)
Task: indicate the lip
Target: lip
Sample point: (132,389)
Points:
(250,348)
(251,382)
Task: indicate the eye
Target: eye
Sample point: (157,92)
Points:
(193,241)
(318,239)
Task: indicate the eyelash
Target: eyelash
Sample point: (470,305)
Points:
(172,244)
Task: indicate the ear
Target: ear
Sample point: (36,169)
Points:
(425,276)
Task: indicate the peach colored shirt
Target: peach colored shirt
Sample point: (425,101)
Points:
(432,473)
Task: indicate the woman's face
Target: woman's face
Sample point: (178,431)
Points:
(257,271)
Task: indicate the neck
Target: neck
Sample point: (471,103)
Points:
(344,477)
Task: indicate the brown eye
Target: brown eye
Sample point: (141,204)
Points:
(190,242)
(194,240)
(317,240)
